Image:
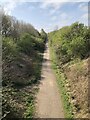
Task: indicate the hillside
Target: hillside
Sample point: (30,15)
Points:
(70,53)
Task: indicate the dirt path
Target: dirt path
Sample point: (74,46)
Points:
(48,104)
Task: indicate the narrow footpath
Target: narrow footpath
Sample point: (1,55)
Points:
(48,102)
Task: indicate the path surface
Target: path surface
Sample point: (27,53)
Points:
(48,103)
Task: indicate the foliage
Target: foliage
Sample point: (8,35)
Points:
(70,42)
(30,110)
(26,43)
(69,45)
(22,55)
(9,47)
(43,35)
(11,27)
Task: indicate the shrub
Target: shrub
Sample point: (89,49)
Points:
(10,48)
(78,47)
(26,44)
(70,42)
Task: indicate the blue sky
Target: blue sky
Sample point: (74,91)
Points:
(47,15)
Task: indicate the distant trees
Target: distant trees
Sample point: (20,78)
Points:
(22,49)
(43,34)
(20,38)
(6,25)
(11,27)
(23,34)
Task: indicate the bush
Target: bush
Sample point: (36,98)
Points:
(10,48)
(39,44)
(26,44)
(78,47)
(70,42)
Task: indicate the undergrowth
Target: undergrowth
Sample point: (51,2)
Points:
(21,73)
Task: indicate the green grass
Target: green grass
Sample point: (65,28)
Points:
(61,80)
(30,107)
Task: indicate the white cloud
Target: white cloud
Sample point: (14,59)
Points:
(61,20)
(55,5)
(84,7)
(9,5)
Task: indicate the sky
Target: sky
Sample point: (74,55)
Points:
(47,14)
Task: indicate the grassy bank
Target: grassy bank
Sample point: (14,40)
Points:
(70,53)
(61,81)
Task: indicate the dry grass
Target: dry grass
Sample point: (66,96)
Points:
(77,86)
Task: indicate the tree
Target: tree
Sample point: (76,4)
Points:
(43,35)
(6,25)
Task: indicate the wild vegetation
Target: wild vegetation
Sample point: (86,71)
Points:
(22,55)
(70,53)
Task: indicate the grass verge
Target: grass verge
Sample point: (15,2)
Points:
(61,81)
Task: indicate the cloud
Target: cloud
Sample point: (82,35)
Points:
(84,7)
(9,5)
(54,5)
(57,4)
